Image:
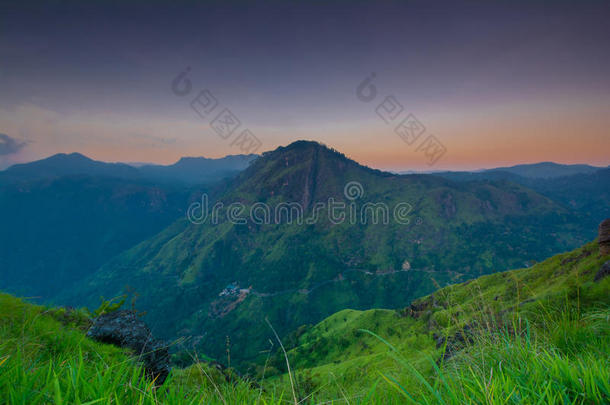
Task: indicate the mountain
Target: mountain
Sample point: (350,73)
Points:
(526,174)
(542,170)
(56,231)
(220,279)
(585,193)
(187,171)
(588,194)
(64,164)
(546,170)
(194,170)
(67,215)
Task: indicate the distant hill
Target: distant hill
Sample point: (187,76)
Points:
(546,170)
(64,164)
(587,193)
(58,230)
(219,279)
(64,216)
(542,170)
(190,171)
(193,170)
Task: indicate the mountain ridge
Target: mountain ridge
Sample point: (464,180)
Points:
(187,170)
(548,169)
(62,164)
(543,170)
(298,273)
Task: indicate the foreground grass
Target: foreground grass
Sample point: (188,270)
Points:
(45,358)
(569,364)
(530,336)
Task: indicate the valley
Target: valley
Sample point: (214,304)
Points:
(441,347)
(336,293)
(304,202)
(300,273)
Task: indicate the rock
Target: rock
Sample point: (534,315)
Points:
(416,309)
(573,258)
(455,342)
(439,340)
(603,271)
(604,237)
(124,329)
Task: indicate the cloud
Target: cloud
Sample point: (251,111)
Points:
(9,146)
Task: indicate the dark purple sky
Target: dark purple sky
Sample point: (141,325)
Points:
(496,82)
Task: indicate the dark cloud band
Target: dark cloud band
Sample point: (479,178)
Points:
(9,146)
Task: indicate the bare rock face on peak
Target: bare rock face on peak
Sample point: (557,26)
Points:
(604,237)
(124,329)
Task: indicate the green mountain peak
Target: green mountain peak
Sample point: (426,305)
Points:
(298,272)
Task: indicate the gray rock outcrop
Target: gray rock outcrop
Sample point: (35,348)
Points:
(124,329)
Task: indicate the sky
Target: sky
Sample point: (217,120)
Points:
(488,83)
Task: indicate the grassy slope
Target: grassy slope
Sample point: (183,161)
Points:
(45,358)
(537,334)
(550,321)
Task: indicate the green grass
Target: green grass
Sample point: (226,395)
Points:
(539,335)
(552,316)
(517,368)
(45,358)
